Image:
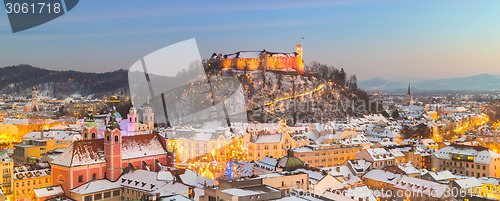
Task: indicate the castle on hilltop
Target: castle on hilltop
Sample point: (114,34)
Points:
(261,60)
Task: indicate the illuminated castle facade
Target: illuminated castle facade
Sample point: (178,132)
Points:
(262,60)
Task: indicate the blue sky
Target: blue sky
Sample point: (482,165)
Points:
(390,39)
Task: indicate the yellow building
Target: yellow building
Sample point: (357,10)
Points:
(274,145)
(28,177)
(31,150)
(474,161)
(9,133)
(261,60)
(191,145)
(327,155)
(491,186)
(6,178)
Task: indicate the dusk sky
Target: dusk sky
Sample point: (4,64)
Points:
(389,39)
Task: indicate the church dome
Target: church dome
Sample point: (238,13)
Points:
(290,162)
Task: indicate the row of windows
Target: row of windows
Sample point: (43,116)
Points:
(99,196)
(466,172)
(329,159)
(80,178)
(29,182)
(466,165)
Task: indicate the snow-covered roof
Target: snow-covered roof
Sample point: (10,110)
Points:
(87,152)
(382,176)
(441,176)
(380,154)
(489,180)
(32,170)
(254,190)
(481,155)
(358,193)
(359,165)
(48,191)
(467,183)
(429,188)
(269,138)
(165,176)
(95,186)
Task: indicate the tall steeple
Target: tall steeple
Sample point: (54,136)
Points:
(34,100)
(112,148)
(133,123)
(410,96)
(89,126)
(148,116)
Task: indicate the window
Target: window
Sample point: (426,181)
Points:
(97,196)
(93,177)
(116,138)
(107,194)
(88,198)
(93,135)
(107,138)
(28,183)
(80,179)
(116,193)
(484,167)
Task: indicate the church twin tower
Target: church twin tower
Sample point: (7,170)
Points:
(90,130)
(113,137)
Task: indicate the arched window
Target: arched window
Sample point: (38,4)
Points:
(116,138)
(60,178)
(107,138)
(93,135)
(85,135)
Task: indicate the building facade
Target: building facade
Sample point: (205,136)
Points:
(327,155)
(94,159)
(474,161)
(261,60)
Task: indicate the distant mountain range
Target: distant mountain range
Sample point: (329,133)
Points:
(19,80)
(482,82)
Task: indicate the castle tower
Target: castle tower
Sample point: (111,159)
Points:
(133,124)
(112,149)
(89,126)
(410,96)
(148,117)
(298,49)
(300,61)
(34,99)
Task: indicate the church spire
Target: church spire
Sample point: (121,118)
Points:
(410,96)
